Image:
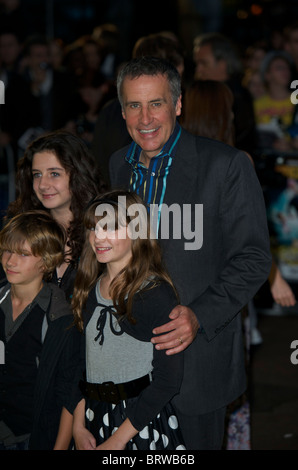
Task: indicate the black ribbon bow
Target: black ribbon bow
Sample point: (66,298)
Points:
(102,321)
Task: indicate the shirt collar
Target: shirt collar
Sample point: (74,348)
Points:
(42,298)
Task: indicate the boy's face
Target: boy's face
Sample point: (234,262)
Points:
(22,269)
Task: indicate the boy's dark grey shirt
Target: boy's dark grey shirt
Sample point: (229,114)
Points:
(11,326)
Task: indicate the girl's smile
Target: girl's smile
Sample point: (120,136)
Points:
(111,247)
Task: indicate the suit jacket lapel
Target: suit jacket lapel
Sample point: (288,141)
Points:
(183,169)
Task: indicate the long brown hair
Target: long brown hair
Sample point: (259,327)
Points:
(145,263)
(207,110)
(85,181)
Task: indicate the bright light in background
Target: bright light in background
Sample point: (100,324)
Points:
(256,9)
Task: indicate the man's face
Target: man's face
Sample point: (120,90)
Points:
(279,72)
(39,54)
(207,67)
(9,48)
(149,112)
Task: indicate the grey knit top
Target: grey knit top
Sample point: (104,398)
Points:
(120,357)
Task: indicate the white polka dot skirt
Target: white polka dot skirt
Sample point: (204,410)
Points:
(103,419)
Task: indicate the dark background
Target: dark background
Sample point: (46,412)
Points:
(243,21)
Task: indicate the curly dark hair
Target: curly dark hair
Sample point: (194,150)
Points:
(85,181)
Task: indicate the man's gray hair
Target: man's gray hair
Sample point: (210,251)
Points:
(151,66)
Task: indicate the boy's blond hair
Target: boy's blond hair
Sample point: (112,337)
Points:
(42,233)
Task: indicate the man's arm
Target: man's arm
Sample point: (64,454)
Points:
(280,289)
(246,247)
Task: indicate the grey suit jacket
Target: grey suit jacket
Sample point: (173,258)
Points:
(218,279)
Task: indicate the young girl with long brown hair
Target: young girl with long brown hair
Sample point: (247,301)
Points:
(58,174)
(121,294)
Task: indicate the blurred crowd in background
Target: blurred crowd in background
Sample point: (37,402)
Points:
(59,61)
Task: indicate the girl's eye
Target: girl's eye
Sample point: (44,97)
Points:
(55,174)
(36,175)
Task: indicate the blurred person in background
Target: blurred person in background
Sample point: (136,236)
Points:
(39,100)
(216,58)
(274,110)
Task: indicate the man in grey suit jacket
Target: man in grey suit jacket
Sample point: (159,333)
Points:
(215,247)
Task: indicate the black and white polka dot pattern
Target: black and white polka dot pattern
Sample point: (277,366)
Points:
(163,432)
